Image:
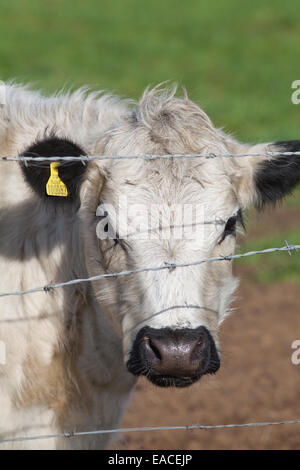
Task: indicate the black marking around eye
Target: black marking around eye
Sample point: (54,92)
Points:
(230,226)
(116,239)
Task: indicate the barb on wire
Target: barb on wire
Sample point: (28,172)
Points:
(188,427)
(87,158)
(50,287)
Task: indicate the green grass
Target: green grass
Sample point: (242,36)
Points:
(278,266)
(237,59)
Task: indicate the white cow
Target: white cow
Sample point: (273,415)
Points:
(73,354)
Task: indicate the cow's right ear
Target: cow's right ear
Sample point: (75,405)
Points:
(65,178)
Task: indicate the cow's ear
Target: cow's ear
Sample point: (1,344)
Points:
(276,177)
(264,178)
(66,177)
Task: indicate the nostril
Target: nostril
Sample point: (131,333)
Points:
(151,350)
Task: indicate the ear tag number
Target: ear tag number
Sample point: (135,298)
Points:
(55,186)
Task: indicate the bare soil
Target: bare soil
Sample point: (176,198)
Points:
(257,380)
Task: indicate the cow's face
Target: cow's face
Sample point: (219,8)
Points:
(138,215)
(157,214)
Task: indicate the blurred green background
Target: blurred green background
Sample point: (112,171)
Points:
(237,59)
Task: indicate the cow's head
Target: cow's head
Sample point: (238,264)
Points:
(139,213)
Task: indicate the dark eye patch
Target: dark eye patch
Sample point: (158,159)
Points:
(116,240)
(230,226)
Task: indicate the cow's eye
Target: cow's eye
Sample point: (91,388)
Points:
(115,238)
(230,226)
(106,229)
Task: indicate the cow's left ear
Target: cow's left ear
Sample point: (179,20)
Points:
(264,179)
(276,177)
(68,174)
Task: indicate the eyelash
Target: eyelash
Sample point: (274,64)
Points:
(230,226)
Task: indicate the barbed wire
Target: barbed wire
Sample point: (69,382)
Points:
(189,427)
(49,287)
(87,158)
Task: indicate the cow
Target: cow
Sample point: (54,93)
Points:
(74,353)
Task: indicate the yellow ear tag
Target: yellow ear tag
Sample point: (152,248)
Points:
(55,186)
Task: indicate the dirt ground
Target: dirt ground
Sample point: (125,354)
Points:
(257,380)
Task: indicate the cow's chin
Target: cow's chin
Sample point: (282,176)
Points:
(169,381)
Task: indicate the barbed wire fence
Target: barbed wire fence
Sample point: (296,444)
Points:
(189,427)
(50,287)
(87,158)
